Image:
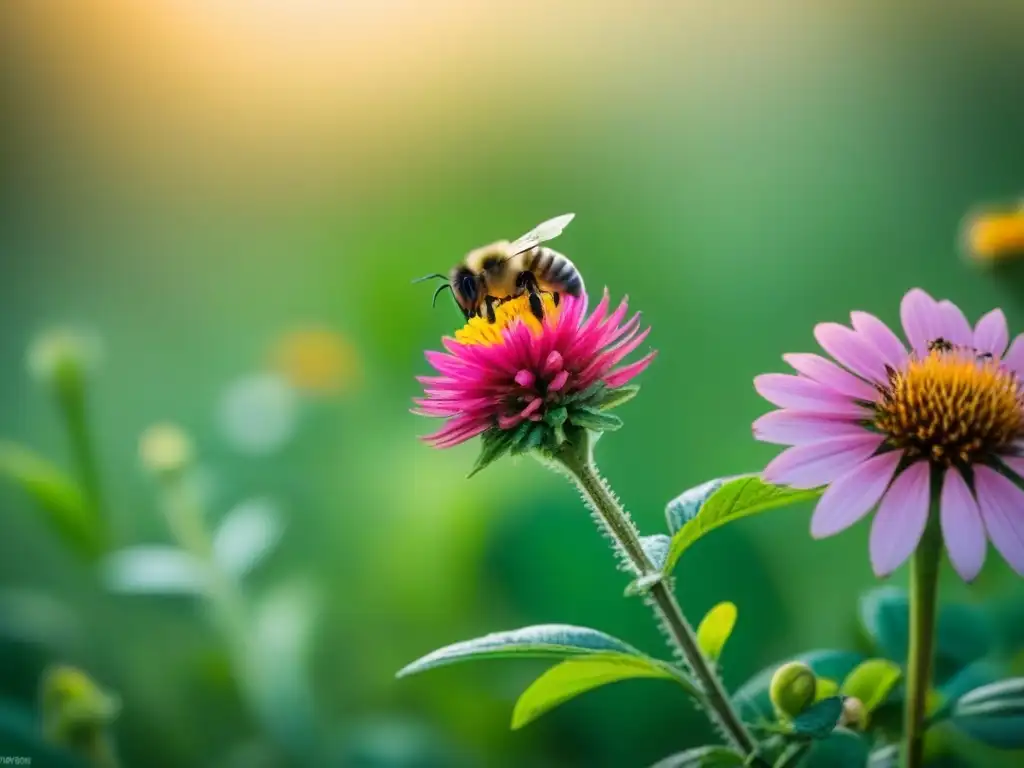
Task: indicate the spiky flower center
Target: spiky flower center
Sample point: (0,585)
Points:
(479,330)
(952,407)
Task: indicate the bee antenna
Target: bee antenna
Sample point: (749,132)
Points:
(433,301)
(430,277)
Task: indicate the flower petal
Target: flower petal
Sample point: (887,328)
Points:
(901,519)
(852,351)
(1002,508)
(991,334)
(627,373)
(962,528)
(852,496)
(789,427)
(921,319)
(879,335)
(955,327)
(832,376)
(800,393)
(1014,359)
(816,464)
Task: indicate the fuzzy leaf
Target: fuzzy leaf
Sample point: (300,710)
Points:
(540,641)
(735,499)
(246,535)
(570,678)
(871,682)
(656,547)
(715,629)
(616,397)
(703,757)
(752,697)
(643,584)
(826,687)
(686,505)
(594,419)
(155,569)
(494,443)
(820,719)
(57,496)
(993,714)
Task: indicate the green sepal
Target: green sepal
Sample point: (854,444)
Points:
(594,419)
(615,397)
(556,416)
(494,443)
(589,395)
(820,719)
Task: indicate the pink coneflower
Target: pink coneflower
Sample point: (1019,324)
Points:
(941,423)
(524,383)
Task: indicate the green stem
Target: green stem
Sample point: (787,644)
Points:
(924,583)
(71,400)
(577,460)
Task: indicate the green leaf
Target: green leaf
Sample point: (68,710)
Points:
(964,634)
(703,757)
(540,641)
(825,688)
(656,547)
(58,497)
(494,443)
(976,675)
(616,397)
(715,628)
(643,584)
(591,418)
(792,755)
(993,714)
(752,697)
(842,749)
(820,719)
(871,682)
(886,757)
(556,416)
(736,499)
(570,678)
(686,505)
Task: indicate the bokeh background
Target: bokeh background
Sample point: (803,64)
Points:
(233,197)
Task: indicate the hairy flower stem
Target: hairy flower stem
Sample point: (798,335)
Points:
(577,460)
(924,587)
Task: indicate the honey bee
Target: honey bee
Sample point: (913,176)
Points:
(503,270)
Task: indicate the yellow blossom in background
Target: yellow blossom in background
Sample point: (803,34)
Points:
(316,360)
(995,235)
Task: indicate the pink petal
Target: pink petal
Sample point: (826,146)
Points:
(788,427)
(559,381)
(881,338)
(901,519)
(962,529)
(627,373)
(802,394)
(852,351)
(922,319)
(816,464)
(852,496)
(1014,359)
(1002,508)
(832,376)
(1015,463)
(954,326)
(991,334)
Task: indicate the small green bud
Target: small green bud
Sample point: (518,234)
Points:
(74,709)
(792,689)
(165,450)
(62,358)
(854,715)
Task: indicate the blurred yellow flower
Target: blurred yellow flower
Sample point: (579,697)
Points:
(993,235)
(165,449)
(316,361)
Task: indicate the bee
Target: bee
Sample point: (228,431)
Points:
(501,271)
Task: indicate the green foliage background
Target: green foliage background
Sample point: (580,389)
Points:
(739,195)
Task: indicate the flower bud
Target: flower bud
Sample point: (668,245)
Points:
(61,359)
(854,715)
(792,689)
(165,450)
(74,708)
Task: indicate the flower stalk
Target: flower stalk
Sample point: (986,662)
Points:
(576,459)
(924,584)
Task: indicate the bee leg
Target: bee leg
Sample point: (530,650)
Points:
(489,302)
(556,297)
(528,282)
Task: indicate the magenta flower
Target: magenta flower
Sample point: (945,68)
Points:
(942,423)
(526,384)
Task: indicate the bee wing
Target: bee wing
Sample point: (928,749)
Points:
(549,230)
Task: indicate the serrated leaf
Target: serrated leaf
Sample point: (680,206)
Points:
(715,628)
(993,714)
(964,634)
(703,757)
(246,535)
(826,687)
(820,719)
(752,697)
(57,496)
(871,682)
(154,569)
(591,418)
(540,641)
(616,397)
(734,500)
(494,443)
(570,678)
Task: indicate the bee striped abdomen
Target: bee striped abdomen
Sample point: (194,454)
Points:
(554,271)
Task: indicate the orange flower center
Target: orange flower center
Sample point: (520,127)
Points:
(478,330)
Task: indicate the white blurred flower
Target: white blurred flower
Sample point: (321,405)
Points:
(258,414)
(154,569)
(246,535)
